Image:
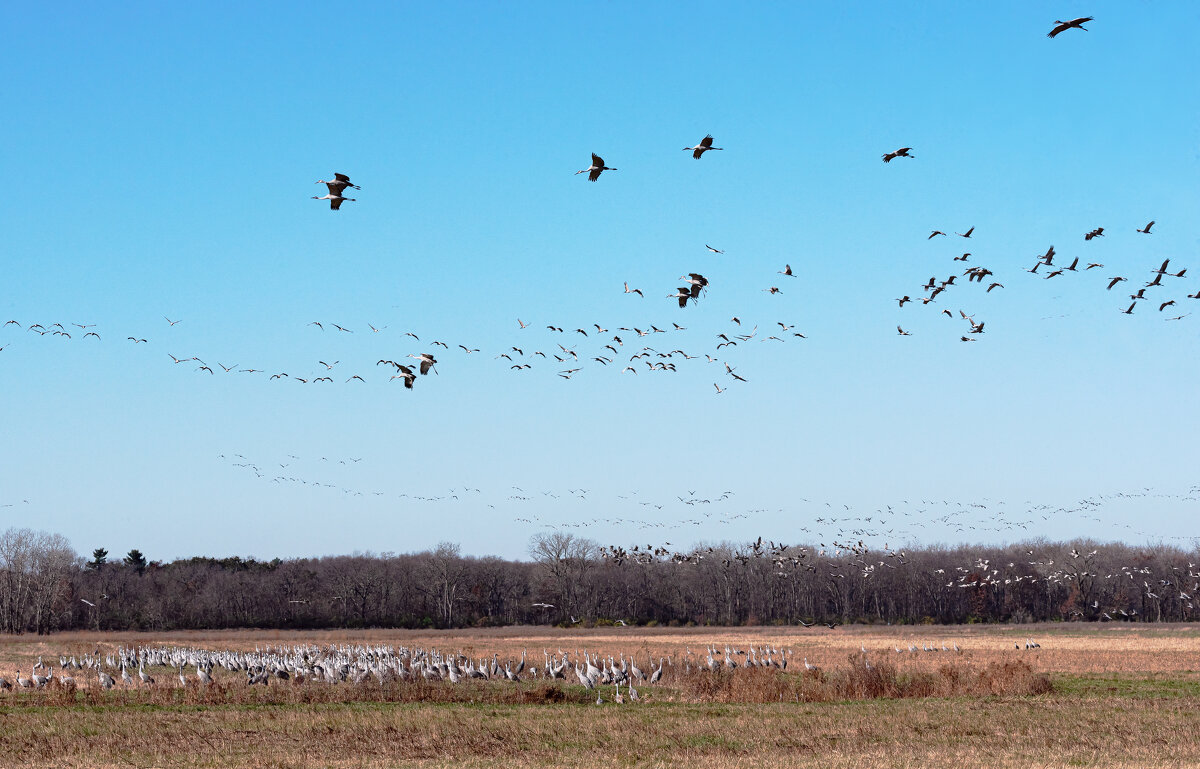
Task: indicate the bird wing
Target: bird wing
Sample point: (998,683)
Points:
(595,174)
(1060,28)
(342,178)
(597,160)
(697,153)
(706,141)
(335,203)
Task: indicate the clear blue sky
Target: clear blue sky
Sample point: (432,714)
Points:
(161,160)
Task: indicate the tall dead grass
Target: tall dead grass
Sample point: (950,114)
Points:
(230,691)
(857,681)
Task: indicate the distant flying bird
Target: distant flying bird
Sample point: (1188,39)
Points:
(934,234)
(1146,231)
(408,375)
(719,388)
(1129,311)
(1096,233)
(718,251)
(704,146)
(787,270)
(339,183)
(595,169)
(427,362)
(335,201)
(1063,26)
(1115,281)
(900,153)
(902,332)
(683,294)
(1166,304)
(172,322)
(629,290)
(966,234)
(994,285)
(773,290)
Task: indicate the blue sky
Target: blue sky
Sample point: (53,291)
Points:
(162,160)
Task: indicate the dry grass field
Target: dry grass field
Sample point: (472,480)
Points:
(1122,695)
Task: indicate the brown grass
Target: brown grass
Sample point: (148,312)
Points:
(1121,697)
(856,681)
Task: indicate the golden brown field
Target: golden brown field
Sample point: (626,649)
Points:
(1122,695)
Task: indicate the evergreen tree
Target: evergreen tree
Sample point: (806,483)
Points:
(99,558)
(136,561)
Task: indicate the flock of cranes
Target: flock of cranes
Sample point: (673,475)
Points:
(337,664)
(687,509)
(355,663)
(978,274)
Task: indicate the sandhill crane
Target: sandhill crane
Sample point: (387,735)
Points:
(106,681)
(40,681)
(718,251)
(966,234)
(427,362)
(1114,281)
(656,675)
(787,270)
(4,684)
(595,169)
(697,281)
(900,153)
(934,234)
(704,146)
(340,182)
(683,294)
(902,332)
(335,201)
(1063,26)
(1146,229)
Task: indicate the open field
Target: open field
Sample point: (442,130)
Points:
(1123,696)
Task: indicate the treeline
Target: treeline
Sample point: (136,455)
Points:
(45,586)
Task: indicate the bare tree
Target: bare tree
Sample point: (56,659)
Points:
(35,572)
(564,560)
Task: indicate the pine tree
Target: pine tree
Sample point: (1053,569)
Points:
(99,558)
(136,561)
